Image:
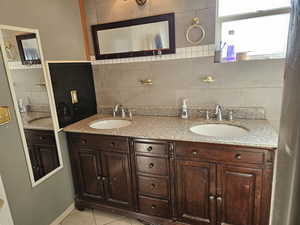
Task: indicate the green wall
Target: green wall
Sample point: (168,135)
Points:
(59,25)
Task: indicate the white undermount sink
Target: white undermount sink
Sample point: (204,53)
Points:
(109,124)
(219,130)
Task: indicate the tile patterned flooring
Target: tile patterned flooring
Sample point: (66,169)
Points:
(93,217)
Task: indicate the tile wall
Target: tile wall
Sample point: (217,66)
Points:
(242,84)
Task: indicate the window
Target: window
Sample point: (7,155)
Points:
(258,28)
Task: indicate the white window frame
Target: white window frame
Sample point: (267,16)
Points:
(242,16)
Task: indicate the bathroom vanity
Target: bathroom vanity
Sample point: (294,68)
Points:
(42,151)
(179,177)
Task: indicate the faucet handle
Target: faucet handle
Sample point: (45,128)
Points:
(207,113)
(123,112)
(130,115)
(230,115)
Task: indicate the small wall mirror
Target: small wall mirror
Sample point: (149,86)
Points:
(154,35)
(32,99)
(28,48)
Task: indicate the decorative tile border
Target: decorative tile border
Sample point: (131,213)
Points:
(181,53)
(17,65)
(253,113)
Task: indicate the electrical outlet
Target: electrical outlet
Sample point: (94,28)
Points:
(4,115)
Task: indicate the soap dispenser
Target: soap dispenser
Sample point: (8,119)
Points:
(184,110)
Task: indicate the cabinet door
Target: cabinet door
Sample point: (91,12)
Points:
(196,190)
(118,179)
(89,168)
(239,191)
(47,157)
(34,163)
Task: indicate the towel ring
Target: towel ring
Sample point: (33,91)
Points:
(195,25)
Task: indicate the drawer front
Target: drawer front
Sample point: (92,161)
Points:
(217,153)
(154,207)
(151,148)
(102,142)
(40,137)
(157,187)
(152,165)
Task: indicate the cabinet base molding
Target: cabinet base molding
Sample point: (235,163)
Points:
(149,220)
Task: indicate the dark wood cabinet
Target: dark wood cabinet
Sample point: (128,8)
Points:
(117,172)
(90,175)
(42,151)
(162,182)
(101,170)
(196,191)
(239,198)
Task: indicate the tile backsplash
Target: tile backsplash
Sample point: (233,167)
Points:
(29,85)
(248,84)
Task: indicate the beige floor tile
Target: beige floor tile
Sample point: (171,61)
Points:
(79,218)
(102,218)
(126,221)
(135,222)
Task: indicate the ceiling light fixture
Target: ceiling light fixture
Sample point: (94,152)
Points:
(141,2)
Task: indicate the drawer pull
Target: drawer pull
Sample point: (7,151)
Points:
(149,149)
(153,206)
(153,186)
(238,156)
(113,144)
(83,141)
(151,165)
(195,153)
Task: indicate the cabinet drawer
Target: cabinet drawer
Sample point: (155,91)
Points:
(40,137)
(151,148)
(102,142)
(218,153)
(152,165)
(154,207)
(157,187)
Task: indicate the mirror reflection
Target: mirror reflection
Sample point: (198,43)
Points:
(143,37)
(147,36)
(32,98)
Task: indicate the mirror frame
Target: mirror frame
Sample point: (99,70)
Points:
(20,38)
(133,22)
(56,129)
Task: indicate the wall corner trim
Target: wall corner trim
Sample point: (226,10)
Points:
(61,217)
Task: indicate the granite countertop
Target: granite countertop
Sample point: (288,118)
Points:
(37,121)
(261,134)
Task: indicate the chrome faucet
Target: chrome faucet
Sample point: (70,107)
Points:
(122,111)
(116,109)
(219,113)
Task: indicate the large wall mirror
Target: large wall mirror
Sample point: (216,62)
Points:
(31,92)
(154,35)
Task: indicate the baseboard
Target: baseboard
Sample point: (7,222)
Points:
(59,219)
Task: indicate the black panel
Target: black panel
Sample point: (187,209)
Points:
(66,77)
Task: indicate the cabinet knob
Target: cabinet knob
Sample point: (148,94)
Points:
(194,152)
(149,149)
(153,186)
(238,156)
(153,206)
(98,178)
(212,197)
(151,165)
(41,138)
(83,141)
(112,144)
(104,178)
